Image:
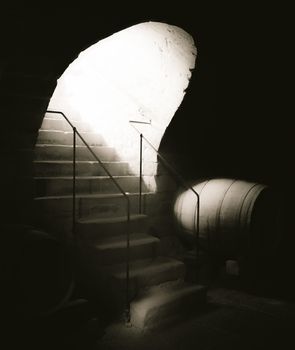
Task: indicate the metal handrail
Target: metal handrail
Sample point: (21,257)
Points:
(125,194)
(175,173)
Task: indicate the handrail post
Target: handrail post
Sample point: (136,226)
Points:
(140,174)
(74,187)
(127,311)
(197,238)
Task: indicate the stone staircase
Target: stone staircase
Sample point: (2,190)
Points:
(101,224)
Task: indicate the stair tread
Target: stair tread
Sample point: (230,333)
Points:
(50,145)
(117,219)
(79,161)
(68,132)
(91,195)
(165,293)
(154,304)
(144,266)
(86,177)
(65,137)
(60,117)
(168,291)
(136,239)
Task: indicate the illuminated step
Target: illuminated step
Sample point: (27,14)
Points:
(54,123)
(85,168)
(167,303)
(65,152)
(66,138)
(73,116)
(89,229)
(88,206)
(63,185)
(112,250)
(145,272)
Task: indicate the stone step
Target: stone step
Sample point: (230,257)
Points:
(65,152)
(72,115)
(55,123)
(66,138)
(85,168)
(112,250)
(166,303)
(96,206)
(63,185)
(144,273)
(89,229)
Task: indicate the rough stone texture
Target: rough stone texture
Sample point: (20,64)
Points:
(165,302)
(143,273)
(138,87)
(112,250)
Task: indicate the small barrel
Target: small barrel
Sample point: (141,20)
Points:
(236,216)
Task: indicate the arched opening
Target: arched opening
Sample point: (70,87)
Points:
(140,73)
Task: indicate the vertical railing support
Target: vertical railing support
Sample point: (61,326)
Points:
(197,245)
(74,188)
(140,174)
(127,311)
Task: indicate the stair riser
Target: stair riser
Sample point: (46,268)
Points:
(66,138)
(51,187)
(118,255)
(62,227)
(105,207)
(87,207)
(92,231)
(55,152)
(84,169)
(62,125)
(136,284)
(167,313)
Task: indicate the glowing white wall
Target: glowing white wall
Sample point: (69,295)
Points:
(139,73)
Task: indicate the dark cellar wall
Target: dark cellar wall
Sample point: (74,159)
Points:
(234,120)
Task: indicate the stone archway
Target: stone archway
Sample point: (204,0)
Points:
(140,73)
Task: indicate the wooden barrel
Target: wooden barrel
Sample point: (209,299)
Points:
(235,216)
